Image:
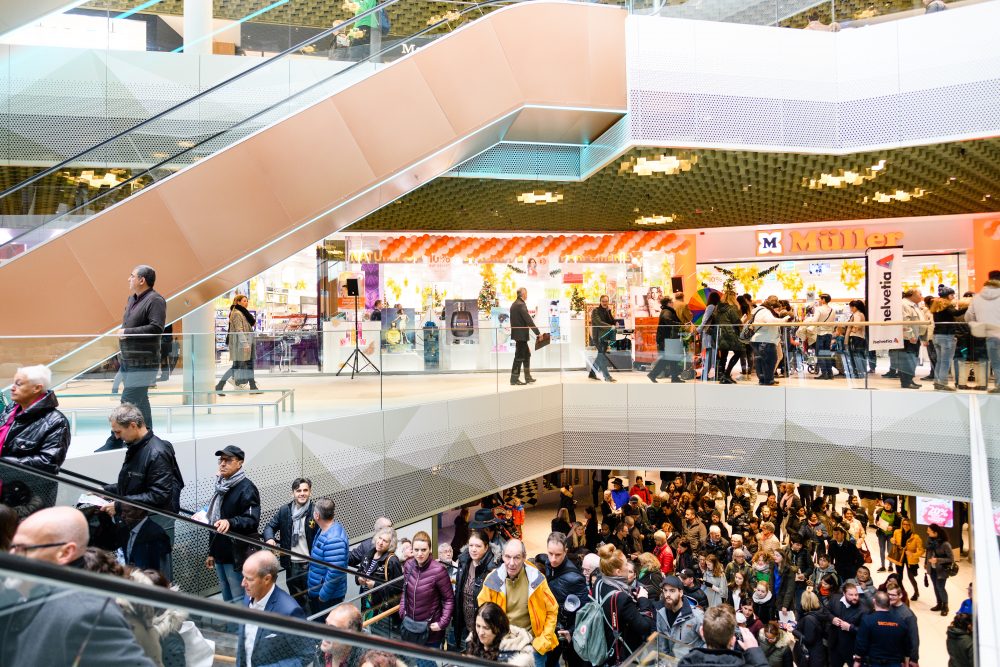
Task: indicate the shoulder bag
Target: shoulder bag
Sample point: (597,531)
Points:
(748,331)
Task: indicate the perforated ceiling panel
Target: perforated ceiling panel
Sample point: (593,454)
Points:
(724,188)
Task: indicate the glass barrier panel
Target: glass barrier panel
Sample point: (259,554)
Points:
(108,616)
(219,116)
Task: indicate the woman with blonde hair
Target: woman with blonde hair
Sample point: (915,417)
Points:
(649,574)
(905,553)
(624,615)
(240,341)
(811,630)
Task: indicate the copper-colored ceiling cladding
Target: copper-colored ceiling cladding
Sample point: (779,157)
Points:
(724,188)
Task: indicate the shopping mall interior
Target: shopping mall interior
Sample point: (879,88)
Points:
(451,262)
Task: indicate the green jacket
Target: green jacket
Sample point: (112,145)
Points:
(371,20)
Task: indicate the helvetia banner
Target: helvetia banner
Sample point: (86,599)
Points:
(885,298)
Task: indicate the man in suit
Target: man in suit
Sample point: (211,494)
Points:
(296,529)
(520,324)
(144,543)
(261,647)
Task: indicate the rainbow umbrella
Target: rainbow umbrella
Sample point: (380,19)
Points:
(699,302)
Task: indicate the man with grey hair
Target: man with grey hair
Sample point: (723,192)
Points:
(149,473)
(33,433)
(523,593)
(520,326)
(344,616)
(256,646)
(139,339)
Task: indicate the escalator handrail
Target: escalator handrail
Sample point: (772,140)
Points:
(301,45)
(99,490)
(165,598)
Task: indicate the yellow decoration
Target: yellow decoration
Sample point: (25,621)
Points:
(851,273)
(791,282)
(747,278)
(931,275)
(951,279)
(507,288)
(704,276)
(394,289)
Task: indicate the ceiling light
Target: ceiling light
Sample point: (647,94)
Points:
(898,195)
(655,219)
(845,177)
(667,165)
(540,197)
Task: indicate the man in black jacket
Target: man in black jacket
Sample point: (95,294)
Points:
(520,325)
(33,433)
(602,327)
(844,555)
(668,328)
(847,611)
(719,632)
(234,507)
(564,580)
(149,473)
(296,530)
(139,338)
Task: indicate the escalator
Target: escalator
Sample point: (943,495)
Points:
(216,210)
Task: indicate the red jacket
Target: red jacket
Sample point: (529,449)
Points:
(666,557)
(642,492)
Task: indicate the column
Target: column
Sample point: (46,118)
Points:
(198,354)
(197,25)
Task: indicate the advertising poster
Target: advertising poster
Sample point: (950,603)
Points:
(885,298)
(500,322)
(935,510)
(398,333)
(461,319)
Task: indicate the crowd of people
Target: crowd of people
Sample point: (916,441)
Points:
(960,336)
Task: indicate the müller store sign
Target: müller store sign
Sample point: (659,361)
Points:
(810,241)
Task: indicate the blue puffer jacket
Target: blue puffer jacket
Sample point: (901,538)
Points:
(330,546)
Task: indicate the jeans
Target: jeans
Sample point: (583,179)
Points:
(429,663)
(139,397)
(937,583)
(711,352)
(993,351)
(883,541)
(945,346)
(765,357)
(539,659)
(601,362)
(858,356)
(824,359)
(231,582)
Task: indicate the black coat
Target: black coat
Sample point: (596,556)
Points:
(241,507)
(281,523)
(846,558)
(668,326)
(635,618)
(52,632)
(564,581)
(150,548)
(521,322)
(465,570)
(150,474)
(39,436)
(385,568)
(143,323)
(601,323)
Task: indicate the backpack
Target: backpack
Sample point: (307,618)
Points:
(383,22)
(589,641)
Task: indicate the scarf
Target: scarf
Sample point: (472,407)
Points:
(246,314)
(222,487)
(761,599)
(298,521)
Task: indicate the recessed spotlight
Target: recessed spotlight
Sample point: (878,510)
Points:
(667,165)
(655,220)
(540,197)
(186,144)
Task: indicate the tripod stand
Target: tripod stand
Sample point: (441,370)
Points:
(354,361)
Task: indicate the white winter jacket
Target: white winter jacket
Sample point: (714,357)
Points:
(983,316)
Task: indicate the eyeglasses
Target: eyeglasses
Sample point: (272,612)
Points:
(22,549)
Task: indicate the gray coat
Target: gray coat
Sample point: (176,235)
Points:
(678,639)
(142,324)
(240,336)
(52,632)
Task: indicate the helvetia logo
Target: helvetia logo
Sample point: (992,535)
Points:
(885,262)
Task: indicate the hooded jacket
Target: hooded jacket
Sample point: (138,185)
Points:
(542,606)
(516,649)
(708,657)
(778,654)
(678,639)
(983,314)
(961,648)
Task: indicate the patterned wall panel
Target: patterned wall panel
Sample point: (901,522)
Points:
(829,436)
(990,410)
(741,430)
(661,425)
(595,432)
(920,443)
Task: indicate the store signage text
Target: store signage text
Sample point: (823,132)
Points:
(780,242)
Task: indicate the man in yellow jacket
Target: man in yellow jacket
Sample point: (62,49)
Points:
(522,592)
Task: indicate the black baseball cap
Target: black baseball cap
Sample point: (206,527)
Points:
(617,481)
(670,581)
(686,573)
(233,452)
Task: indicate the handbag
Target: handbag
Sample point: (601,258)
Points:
(415,632)
(866,553)
(953,569)
(895,553)
(747,332)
